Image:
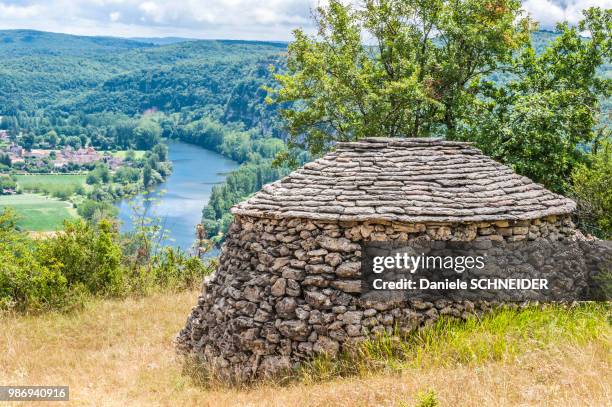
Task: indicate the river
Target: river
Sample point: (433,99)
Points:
(179,201)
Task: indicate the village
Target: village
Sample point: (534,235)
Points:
(67,158)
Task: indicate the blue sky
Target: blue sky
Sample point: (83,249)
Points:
(231,19)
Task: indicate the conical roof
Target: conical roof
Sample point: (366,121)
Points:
(405,180)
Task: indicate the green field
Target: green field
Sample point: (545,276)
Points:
(51,180)
(51,184)
(38,213)
(123,153)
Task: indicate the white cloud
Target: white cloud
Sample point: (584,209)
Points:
(232,19)
(152,11)
(8,11)
(550,12)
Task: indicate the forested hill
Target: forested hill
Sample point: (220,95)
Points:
(50,75)
(16,43)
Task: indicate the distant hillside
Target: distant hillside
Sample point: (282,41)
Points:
(17,43)
(162,40)
(51,75)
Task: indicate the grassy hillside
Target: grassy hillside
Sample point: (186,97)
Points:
(114,354)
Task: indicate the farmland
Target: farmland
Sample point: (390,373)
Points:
(51,184)
(38,213)
(124,153)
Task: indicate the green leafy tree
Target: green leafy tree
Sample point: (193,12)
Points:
(147,175)
(28,140)
(147,134)
(52,138)
(7,183)
(90,209)
(592,190)
(74,142)
(540,121)
(161,151)
(124,132)
(394,68)
(5,160)
(103,172)
(125,175)
(92,178)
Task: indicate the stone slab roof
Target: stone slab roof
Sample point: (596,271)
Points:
(405,180)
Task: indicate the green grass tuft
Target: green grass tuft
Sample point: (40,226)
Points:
(501,335)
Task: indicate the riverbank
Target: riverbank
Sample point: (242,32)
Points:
(114,354)
(177,202)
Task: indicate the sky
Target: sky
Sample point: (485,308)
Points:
(218,19)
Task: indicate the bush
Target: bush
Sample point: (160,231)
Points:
(91,209)
(87,254)
(80,190)
(62,194)
(92,179)
(25,284)
(85,259)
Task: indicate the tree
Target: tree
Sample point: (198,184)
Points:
(540,121)
(90,209)
(161,150)
(28,140)
(92,178)
(73,141)
(147,175)
(428,73)
(124,132)
(5,159)
(592,191)
(147,134)
(103,173)
(7,183)
(125,175)
(416,75)
(51,138)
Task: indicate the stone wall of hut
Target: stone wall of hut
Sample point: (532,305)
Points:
(288,289)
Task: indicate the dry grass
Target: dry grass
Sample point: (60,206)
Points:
(119,353)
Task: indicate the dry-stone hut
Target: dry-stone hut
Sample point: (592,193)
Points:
(287,285)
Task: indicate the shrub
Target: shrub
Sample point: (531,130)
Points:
(92,179)
(427,399)
(80,190)
(62,194)
(85,259)
(26,284)
(91,209)
(87,254)
(174,269)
